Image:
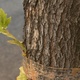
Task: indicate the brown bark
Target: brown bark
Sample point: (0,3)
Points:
(52,32)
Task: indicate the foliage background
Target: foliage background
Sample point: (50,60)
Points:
(10,55)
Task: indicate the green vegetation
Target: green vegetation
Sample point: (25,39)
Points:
(22,75)
(4,22)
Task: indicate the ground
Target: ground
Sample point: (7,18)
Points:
(10,55)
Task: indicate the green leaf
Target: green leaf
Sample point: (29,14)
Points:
(7,22)
(22,75)
(1,28)
(4,21)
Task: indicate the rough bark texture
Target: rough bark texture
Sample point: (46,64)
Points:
(52,32)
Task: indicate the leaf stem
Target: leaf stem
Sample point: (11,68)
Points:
(14,40)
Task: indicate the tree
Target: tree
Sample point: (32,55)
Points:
(52,32)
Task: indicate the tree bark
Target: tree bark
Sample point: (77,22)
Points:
(52,32)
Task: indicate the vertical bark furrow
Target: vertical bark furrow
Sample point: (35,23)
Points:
(40,41)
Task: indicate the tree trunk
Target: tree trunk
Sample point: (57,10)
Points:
(52,32)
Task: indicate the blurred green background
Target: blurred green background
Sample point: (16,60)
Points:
(10,55)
